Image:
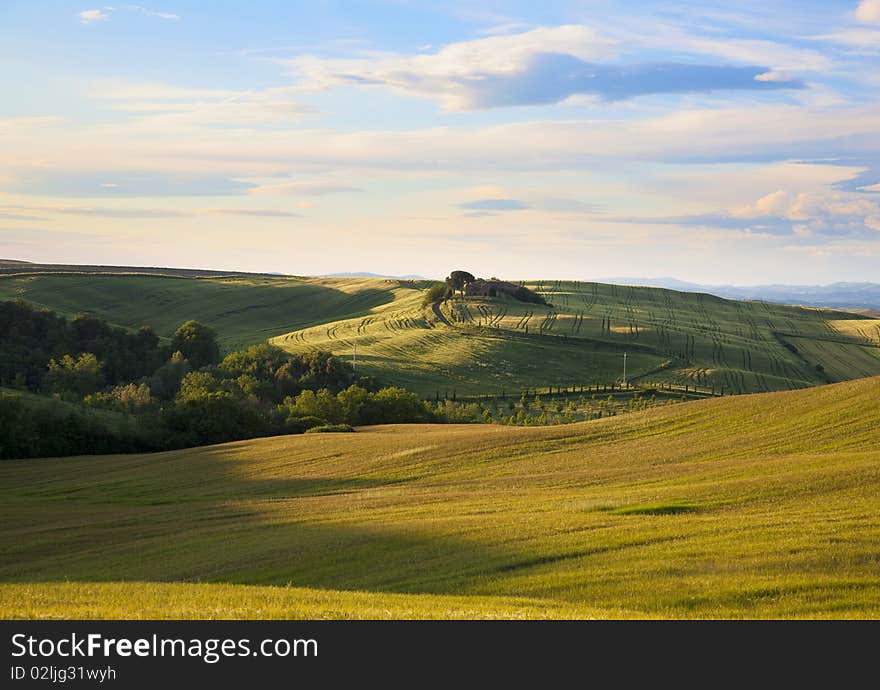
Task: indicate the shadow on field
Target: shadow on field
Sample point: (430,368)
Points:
(208,515)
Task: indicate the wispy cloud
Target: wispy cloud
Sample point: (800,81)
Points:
(11,125)
(494,205)
(18,212)
(103,212)
(152,13)
(255,212)
(866,41)
(561,205)
(103,14)
(121,182)
(302,189)
(93,16)
(168,105)
(14,215)
(814,215)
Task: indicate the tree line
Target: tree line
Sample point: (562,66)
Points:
(102,389)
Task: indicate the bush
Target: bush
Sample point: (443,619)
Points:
(215,418)
(523,294)
(78,377)
(330,428)
(436,293)
(50,428)
(299,425)
(197,342)
(130,398)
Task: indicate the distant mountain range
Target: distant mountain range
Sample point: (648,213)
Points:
(835,295)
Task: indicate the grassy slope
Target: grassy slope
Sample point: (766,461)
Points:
(244,310)
(753,506)
(490,346)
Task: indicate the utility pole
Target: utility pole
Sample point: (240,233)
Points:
(624,368)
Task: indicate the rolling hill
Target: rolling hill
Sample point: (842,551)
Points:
(243,309)
(748,506)
(482,346)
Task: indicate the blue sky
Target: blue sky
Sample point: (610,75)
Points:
(710,141)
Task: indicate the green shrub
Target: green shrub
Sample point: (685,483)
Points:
(330,428)
(436,293)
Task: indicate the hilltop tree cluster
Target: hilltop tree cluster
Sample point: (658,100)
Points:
(458,281)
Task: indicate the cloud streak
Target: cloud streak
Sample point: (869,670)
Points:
(152,13)
(15,212)
(104,14)
(302,189)
(494,205)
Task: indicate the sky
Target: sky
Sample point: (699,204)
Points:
(714,142)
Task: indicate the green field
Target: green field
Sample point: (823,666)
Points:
(747,506)
(243,310)
(482,346)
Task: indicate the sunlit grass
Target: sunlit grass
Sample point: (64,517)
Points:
(751,506)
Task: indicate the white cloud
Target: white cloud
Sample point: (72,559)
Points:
(773,204)
(92,16)
(868,12)
(774,76)
(450,72)
(774,132)
(816,211)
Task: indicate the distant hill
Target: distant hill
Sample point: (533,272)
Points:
(243,309)
(364,274)
(12,266)
(835,295)
(484,345)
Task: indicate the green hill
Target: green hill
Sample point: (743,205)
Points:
(482,345)
(747,506)
(488,346)
(243,310)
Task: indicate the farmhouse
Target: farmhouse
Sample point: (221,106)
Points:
(490,288)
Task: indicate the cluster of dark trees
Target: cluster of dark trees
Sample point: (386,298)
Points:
(30,339)
(457,281)
(103,389)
